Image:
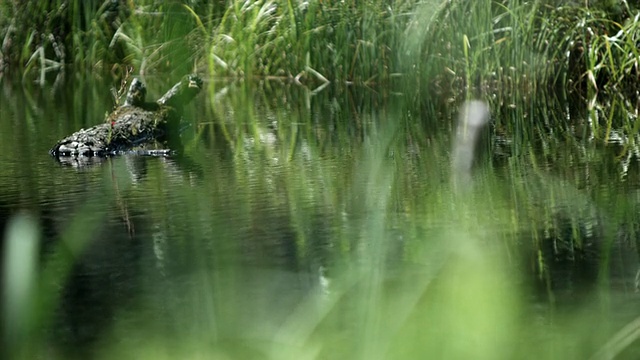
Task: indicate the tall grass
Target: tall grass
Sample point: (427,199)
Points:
(308,42)
(42,38)
(447,47)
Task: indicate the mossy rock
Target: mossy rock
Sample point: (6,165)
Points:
(135,123)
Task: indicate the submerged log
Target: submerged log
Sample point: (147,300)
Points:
(133,124)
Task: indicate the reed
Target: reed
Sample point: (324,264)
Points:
(447,47)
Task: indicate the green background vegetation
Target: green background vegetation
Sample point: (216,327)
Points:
(442,45)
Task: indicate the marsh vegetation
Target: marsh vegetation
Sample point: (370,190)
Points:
(311,212)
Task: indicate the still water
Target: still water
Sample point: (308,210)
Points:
(324,225)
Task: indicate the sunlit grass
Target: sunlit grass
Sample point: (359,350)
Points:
(453,48)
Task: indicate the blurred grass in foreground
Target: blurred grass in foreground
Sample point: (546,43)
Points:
(454,302)
(453,288)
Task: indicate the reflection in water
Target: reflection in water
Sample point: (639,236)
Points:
(585,257)
(245,233)
(105,279)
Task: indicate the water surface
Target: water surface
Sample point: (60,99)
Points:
(292,220)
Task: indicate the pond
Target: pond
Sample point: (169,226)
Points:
(324,225)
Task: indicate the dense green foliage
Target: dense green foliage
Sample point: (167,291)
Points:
(443,45)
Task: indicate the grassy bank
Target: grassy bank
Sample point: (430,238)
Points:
(445,46)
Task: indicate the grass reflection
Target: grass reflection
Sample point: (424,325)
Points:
(277,235)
